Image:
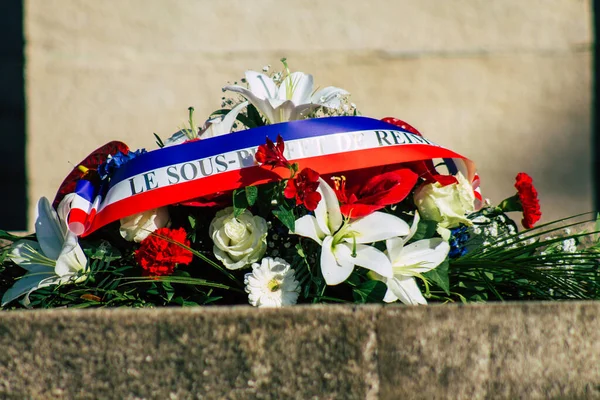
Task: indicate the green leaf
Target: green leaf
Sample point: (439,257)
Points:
(7,236)
(246,121)
(251,194)
(184,303)
(101,250)
(254,115)
(439,276)
(286,216)
(240,202)
(425,230)
(192,221)
(300,250)
(222,111)
(169,291)
(369,292)
(159,141)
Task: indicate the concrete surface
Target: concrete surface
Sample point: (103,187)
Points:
(506,83)
(499,351)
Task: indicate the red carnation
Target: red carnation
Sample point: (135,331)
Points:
(528,197)
(160,252)
(304,188)
(376,193)
(272,154)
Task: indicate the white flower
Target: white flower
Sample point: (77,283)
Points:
(238,241)
(137,227)
(56,258)
(272,284)
(293,99)
(343,241)
(448,205)
(569,246)
(409,261)
(213,127)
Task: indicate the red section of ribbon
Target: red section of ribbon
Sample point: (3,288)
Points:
(226,181)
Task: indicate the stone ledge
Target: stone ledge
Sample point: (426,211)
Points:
(525,350)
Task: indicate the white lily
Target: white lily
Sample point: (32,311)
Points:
(218,126)
(344,241)
(56,258)
(409,261)
(293,99)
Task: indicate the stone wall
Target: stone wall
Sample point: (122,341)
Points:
(496,351)
(507,83)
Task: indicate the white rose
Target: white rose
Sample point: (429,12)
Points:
(137,227)
(448,205)
(238,241)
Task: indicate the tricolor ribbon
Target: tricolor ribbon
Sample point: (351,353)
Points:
(177,174)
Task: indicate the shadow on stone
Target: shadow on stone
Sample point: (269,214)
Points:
(13,201)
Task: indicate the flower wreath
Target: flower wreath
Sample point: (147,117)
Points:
(289,195)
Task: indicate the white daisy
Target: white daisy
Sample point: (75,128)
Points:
(272,284)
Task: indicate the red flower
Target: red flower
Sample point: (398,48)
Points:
(271,154)
(304,188)
(376,193)
(528,197)
(158,256)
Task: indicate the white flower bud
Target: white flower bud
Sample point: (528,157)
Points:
(240,241)
(448,204)
(137,227)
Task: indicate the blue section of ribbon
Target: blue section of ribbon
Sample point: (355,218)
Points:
(451,165)
(246,139)
(86,190)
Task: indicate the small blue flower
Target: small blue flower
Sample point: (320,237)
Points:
(116,161)
(458,240)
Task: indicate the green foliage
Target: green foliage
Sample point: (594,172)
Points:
(425,229)
(531,265)
(251,195)
(240,202)
(439,276)
(369,292)
(159,141)
(8,236)
(285,213)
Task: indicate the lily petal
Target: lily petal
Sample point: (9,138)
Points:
(24,251)
(366,256)
(302,110)
(176,138)
(394,247)
(261,85)
(71,259)
(421,256)
(29,283)
(299,85)
(263,105)
(328,214)
(334,271)
(377,226)
(406,290)
(48,229)
(413,228)
(307,226)
(283,112)
(329,97)
(218,127)
(389,297)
